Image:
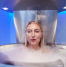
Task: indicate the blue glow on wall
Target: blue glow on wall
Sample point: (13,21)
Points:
(7,30)
(61,28)
(64,12)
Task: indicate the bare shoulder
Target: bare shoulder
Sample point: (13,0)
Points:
(45,50)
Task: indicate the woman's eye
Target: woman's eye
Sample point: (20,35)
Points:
(29,31)
(37,31)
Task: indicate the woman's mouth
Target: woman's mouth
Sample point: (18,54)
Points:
(33,39)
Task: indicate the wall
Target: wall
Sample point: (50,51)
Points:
(7,31)
(61,28)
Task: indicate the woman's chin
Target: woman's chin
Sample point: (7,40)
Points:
(33,44)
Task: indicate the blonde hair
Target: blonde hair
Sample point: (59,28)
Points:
(41,43)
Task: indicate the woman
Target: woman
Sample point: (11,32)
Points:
(34,36)
(34,39)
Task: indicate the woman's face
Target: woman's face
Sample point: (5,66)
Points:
(33,34)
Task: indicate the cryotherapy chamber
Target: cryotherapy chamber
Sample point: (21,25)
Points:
(45,12)
(4,59)
(34,10)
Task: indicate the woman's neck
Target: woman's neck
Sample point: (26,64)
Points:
(35,47)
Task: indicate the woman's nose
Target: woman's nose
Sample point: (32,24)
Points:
(33,34)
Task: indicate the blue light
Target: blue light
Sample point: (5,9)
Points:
(63,12)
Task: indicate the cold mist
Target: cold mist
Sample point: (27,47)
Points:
(19,54)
